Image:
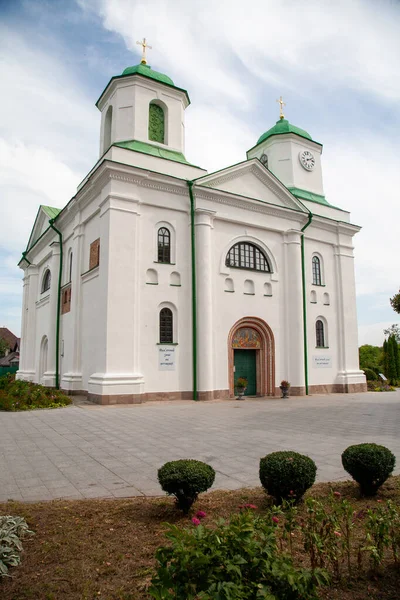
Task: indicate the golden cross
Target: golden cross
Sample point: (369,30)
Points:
(144,46)
(281,104)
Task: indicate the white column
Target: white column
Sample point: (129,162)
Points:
(349,374)
(205,334)
(49,377)
(294,313)
(72,380)
(27,363)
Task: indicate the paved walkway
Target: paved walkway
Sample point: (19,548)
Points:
(92,451)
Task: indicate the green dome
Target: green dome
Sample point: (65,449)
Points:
(283,126)
(147,71)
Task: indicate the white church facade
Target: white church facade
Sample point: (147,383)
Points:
(160,281)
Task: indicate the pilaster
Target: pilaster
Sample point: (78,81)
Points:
(294,311)
(205,334)
(27,364)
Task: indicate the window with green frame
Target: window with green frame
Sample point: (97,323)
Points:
(156,124)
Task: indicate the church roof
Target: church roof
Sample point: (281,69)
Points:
(50,211)
(152,150)
(147,71)
(283,126)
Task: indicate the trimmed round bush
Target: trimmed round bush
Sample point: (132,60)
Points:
(370,374)
(185,479)
(287,475)
(369,465)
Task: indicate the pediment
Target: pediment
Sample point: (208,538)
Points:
(41,224)
(252,180)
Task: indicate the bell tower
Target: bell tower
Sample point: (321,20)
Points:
(143,105)
(292,156)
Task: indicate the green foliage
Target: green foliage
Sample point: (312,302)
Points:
(12,530)
(287,475)
(395,302)
(370,465)
(369,374)
(24,395)
(391,360)
(235,560)
(185,479)
(371,357)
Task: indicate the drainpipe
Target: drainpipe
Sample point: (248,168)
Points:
(51,223)
(303,280)
(194,292)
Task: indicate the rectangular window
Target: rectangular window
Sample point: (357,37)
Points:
(94,255)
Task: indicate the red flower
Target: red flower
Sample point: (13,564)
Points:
(195,521)
(200,514)
(337,494)
(275,519)
(337,533)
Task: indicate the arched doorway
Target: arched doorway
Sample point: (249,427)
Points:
(43,358)
(251,351)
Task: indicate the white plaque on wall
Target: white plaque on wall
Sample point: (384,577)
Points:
(166,358)
(322,362)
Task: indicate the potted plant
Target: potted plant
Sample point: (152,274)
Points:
(241,385)
(285,385)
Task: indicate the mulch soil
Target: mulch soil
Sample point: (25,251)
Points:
(87,549)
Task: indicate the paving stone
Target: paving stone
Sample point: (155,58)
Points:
(96,451)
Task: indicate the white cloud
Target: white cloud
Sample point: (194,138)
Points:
(340,43)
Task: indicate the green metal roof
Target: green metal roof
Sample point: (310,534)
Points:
(50,211)
(153,150)
(147,71)
(318,198)
(283,126)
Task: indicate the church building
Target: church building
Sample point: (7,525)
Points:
(159,280)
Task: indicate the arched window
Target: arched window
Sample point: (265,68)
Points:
(319,334)
(164,245)
(316,271)
(156,123)
(107,129)
(70,268)
(166,326)
(46,281)
(247,256)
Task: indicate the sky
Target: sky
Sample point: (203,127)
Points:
(334,63)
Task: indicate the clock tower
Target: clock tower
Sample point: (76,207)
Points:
(293,157)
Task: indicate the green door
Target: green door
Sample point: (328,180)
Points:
(245,366)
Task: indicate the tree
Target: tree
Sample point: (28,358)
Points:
(392,359)
(371,357)
(395,302)
(4,346)
(393,330)
(385,358)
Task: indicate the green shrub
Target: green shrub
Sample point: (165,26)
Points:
(235,560)
(287,475)
(185,479)
(369,465)
(12,530)
(24,395)
(370,374)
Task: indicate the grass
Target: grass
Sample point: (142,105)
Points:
(86,549)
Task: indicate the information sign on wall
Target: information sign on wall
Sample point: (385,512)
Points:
(322,362)
(166,358)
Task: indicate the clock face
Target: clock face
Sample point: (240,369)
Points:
(307,160)
(264,160)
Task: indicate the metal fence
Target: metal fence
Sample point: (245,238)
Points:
(5,370)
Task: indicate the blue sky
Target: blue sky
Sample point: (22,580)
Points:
(336,65)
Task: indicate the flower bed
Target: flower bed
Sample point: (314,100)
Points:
(23,395)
